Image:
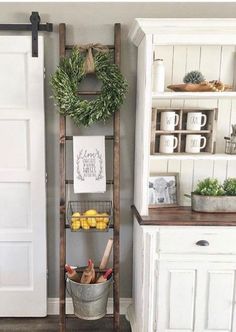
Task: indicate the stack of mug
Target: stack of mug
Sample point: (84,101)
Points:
(194,142)
(168,143)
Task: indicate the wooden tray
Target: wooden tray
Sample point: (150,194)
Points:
(194,87)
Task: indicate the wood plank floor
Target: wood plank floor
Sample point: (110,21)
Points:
(50,324)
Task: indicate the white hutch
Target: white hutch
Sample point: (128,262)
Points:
(179,286)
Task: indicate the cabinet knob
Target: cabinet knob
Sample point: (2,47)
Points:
(202,243)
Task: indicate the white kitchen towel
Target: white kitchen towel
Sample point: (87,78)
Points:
(89,164)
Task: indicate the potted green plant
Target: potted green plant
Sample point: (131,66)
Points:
(212,196)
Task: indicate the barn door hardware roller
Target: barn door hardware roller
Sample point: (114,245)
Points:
(35,27)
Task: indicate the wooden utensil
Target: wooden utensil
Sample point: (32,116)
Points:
(72,274)
(106,255)
(88,275)
(104,277)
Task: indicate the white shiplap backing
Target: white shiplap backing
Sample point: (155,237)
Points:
(215,62)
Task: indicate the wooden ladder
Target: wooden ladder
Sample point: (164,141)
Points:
(63,48)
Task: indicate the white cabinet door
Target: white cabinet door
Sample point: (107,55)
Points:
(198,297)
(176,297)
(216,298)
(22,179)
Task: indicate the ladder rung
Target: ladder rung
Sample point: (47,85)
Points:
(70,47)
(81,269)
(111,226)
(89,93)
(108,137)
(73,316)
(109,316)
(72,182)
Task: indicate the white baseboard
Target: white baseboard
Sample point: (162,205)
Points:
(53,305)
(131,318)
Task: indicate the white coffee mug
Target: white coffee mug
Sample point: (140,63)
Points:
(168,143)
(196,120)
(169,120)
(193,143)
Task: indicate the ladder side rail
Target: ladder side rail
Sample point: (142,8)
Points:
(116,193)
(62,291)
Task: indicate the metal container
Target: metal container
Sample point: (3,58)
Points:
(214,204)
(89,300)
(82,206)
(230,146)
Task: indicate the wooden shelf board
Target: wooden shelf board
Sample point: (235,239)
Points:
(183,216)
(193,95)
(167,132)
(199,156)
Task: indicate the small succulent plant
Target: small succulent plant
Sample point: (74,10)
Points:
(209,187)
(194,77)
(230,187)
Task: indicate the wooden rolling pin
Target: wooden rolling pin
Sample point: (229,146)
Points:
(72,274)
(104,277)
(106,255)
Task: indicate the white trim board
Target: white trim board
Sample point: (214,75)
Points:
(130,316)
(53,306)
(192,95)
(196,31)
(197,156)
(125,1)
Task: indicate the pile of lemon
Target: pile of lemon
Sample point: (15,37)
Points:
(89,219)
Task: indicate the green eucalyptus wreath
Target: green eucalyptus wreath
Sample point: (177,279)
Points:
(71,71)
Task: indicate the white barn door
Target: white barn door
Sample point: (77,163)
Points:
(23,278)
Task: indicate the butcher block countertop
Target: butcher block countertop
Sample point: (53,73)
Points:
(183,216)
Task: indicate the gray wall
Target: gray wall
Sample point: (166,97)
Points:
(94,23)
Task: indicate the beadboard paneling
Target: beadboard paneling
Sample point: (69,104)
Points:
(158,166)
(220,170)
(202,169)
(186,181)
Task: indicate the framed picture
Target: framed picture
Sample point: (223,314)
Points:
(163,190)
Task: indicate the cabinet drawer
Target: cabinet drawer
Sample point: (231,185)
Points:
(220,241)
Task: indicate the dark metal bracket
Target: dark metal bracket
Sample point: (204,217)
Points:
(35,27)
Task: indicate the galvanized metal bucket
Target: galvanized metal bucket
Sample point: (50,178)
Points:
(89,300)
(213,204)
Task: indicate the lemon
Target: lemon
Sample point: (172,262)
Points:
(84,223)
(75,216)
(75,225)
(90,213)
(101,225)
(92,222)
(106,217)
(99,217)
